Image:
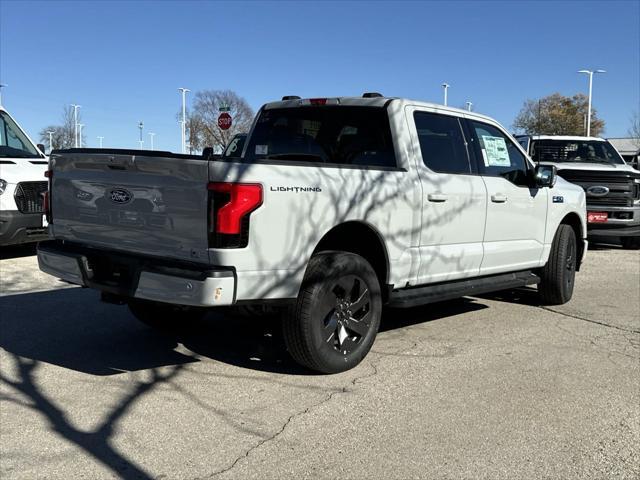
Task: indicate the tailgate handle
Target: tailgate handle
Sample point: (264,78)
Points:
(437,197)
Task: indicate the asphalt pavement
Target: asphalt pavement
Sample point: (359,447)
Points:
(496,387)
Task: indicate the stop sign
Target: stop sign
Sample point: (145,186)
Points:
(224,121)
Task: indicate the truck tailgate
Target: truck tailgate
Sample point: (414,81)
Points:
(142,203)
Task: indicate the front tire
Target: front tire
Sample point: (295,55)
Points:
(558,275)
(630,243)
(164,316)
(337,314)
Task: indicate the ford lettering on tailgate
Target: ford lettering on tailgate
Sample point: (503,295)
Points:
(120,196)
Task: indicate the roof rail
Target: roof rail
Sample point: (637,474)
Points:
(291,97)
(371,95)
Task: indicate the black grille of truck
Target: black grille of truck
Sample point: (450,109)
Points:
(622,188)
(29,196)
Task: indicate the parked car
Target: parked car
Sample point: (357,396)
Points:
(338,206)
(22,185)
(612,186)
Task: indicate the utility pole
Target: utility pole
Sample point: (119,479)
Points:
(80,125)
(100,140)
(141,126)
(75,123)
(590,73)
(469,105)
(2,85)
(151,134)
(446,87)
(50,132)
(184,117)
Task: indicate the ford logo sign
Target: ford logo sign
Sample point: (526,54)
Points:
(120,196)
(597,191)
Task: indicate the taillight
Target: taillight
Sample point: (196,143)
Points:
(230,206)
(46,201)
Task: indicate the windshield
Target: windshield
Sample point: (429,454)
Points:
(332,134)
(589,151)
(13,142)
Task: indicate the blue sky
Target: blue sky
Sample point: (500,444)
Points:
(123,61)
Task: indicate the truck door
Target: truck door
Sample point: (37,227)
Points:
(454,198)
(516,212)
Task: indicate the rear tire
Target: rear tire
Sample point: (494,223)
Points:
(558,275)
(164,316)
(336,317)
(630,243)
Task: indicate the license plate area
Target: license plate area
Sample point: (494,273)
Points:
(597,217)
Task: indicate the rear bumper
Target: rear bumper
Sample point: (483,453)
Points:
(149,279)
(16,228)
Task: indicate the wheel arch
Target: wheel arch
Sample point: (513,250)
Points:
(362,239)
(573,220)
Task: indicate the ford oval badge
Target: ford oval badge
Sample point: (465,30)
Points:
(597,191)
(120,196)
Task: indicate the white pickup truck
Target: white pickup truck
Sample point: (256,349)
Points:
(22,185)
(336,207)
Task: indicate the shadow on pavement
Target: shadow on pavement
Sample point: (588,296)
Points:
(72,329)
(17,251)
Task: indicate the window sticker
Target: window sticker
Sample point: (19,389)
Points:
(495,152)
(262,149)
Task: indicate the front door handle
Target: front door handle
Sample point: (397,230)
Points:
(437,197)
(498,198)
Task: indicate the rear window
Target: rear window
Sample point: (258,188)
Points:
(330,134)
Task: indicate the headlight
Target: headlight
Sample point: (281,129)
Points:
(3,186)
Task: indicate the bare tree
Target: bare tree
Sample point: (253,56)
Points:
(202,121)
(63,134)
(634,129)
(557,115)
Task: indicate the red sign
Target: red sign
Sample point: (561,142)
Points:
(224,121)
(597,217)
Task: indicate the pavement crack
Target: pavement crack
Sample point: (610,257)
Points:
(577,317)
(296,415)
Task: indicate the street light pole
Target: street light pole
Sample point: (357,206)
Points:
(446,87)
(141,126)
(2,85)
(100,140)
(50,132)
(80,125)
(590,73)
(469,105)
(184,117)
(151,134)
(75,123)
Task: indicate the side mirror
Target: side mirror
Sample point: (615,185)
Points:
(545,176)
(41,147)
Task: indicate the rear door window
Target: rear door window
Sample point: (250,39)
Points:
(442,143)
(342,135)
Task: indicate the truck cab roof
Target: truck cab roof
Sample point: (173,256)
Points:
(569,138)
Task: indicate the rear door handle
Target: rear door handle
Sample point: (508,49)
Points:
(437,197)
(498,198)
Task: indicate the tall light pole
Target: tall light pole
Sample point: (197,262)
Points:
(151,134)
(80,125)
(141,126)
(75,123)
(50,132)
(445,86)
(590,73)
(2,85)
(469,105)
(100,140)
(184,117)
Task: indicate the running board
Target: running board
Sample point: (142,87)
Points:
(437,292)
